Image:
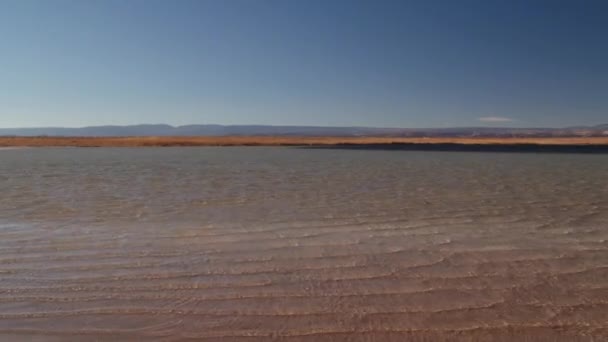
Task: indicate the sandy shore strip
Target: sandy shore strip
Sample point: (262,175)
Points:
(289,141)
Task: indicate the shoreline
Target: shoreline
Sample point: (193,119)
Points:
(464,144)
(132,141)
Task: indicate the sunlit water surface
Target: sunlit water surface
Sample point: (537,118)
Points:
(291,244)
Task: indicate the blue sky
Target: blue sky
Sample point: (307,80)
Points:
(305,62)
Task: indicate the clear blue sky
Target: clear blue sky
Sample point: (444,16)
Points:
(304,62)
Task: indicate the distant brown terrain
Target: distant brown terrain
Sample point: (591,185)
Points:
(289,141)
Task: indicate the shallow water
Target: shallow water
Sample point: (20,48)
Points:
(291,244)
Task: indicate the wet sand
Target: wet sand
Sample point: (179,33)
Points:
(276,244)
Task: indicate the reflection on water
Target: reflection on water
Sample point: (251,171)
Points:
(260,244)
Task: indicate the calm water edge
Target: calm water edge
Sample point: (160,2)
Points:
(293,244)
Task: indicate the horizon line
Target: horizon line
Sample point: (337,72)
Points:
(310,126)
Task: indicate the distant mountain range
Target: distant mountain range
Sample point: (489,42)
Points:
(261,130)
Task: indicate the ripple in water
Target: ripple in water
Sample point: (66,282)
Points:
(262,244)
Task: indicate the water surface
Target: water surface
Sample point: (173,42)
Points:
(292,244)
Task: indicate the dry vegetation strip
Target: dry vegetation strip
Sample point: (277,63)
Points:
(280,141)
